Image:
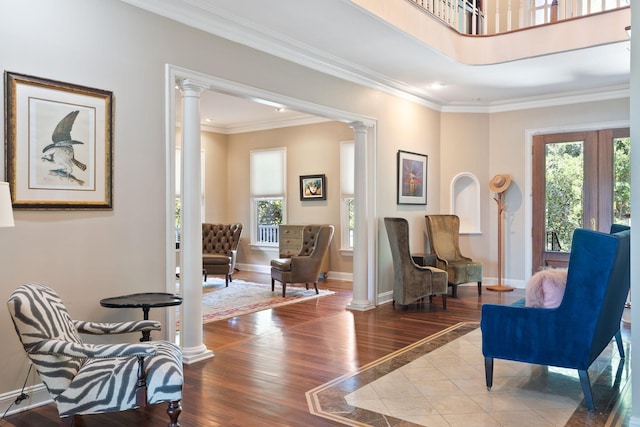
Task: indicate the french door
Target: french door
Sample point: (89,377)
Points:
(580,180)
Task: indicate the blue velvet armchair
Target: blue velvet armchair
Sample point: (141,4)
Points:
(574,334)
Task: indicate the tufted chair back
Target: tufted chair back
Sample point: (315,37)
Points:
(220,238)
(309,238)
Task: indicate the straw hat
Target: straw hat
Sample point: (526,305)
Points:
(500,183)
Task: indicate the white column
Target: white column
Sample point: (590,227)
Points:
(360,299)
(634,420)
(193,348)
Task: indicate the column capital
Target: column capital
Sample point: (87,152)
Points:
(358,127)
(191,86)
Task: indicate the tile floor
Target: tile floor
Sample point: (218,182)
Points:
(441,383)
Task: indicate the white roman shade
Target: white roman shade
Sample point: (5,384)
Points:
(347,162)
(268,172)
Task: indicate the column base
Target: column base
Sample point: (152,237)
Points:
(360,305)
(196,354)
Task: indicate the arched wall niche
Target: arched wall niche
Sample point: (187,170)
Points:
(465,202)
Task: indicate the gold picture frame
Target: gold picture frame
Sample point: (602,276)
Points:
(58,144)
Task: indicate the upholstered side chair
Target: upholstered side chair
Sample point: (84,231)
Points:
(443,233)
(94,378)
(411,282)
(307,265)
(219,249)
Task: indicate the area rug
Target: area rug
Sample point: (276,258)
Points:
(220,302)
(439,381)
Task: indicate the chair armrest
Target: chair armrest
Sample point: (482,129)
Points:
(233,256)
(303,265)
(97,328)
(533,335)
(83,351)
(440,263)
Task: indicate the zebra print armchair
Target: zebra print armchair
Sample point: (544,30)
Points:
(94,378)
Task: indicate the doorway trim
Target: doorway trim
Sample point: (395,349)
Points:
(175,74)
(529,134)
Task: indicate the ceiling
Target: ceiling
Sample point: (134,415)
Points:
(340,38)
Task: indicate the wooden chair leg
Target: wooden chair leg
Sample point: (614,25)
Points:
(488,371)
(315,285)
(141,384)
(586,389)
(173,410)
(479,288)
(444,301)
(454,291)
(273,284)
(284,289)
(226,280)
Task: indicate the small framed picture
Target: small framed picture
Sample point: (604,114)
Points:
(58,144)
(313,187)
(412,178)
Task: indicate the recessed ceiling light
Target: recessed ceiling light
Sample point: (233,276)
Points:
(280,109)
(208,120)
(438,85)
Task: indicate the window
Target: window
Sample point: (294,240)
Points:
(268,194)
(178,211)
(347,220)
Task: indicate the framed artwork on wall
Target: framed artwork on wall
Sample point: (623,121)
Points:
(412,178)
(313,187)
(58,152)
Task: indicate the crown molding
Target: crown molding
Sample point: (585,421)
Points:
(561,98)
(265,125)
(206,17)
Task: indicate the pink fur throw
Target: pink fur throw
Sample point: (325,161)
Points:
(545,289)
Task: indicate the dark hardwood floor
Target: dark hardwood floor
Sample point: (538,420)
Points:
(265,362)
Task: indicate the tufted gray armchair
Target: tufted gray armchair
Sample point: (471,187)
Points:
(219,249)
(304,267)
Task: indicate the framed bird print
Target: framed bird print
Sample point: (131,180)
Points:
(58,152)
(412,178)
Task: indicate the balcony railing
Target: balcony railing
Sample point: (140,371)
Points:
(268,233)
(499,16)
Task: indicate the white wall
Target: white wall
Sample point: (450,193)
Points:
(109,45)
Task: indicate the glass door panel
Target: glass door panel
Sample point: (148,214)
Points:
(564,183)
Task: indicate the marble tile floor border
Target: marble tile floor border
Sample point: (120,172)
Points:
(439,381)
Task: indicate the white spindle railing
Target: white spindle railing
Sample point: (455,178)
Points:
(475,16)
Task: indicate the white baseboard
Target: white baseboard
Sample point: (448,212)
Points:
(38,396)
(265,269)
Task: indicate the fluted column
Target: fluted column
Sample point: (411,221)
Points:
(193,348)
(361,242)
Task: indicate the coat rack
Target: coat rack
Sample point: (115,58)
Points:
(499,185)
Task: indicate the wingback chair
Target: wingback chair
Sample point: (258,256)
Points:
(411,282)
(443,238)
(94,378)
(307,265)
(575,333)
(219,249)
